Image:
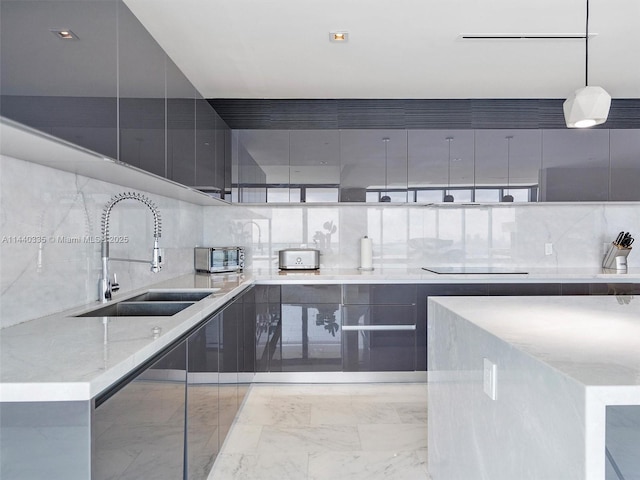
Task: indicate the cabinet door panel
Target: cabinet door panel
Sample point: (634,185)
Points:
(202,435)
(311,339)
(268,331)
(205,174)
(140,429)
(141,92)
(181,126)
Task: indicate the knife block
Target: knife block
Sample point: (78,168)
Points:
(615,251)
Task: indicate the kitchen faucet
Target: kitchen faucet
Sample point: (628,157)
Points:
(105,286)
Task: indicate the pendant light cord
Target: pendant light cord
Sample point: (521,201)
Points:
(449,139)
(586,49)
(386,183)
(508,163)
(386,152)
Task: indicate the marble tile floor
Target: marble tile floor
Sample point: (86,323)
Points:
(317,432)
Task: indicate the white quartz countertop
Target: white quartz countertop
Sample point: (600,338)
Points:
(64,357)
(394,274)
(592,339)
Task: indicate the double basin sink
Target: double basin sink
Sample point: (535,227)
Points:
(153,303)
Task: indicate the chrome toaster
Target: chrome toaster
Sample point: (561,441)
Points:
(299,259)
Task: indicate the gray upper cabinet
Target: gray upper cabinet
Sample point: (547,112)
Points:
(315,164)
(111,89)
(141,97)
(575,165)
(374,163)
(64,87)
(222,156)
(206,145)
(441,162)
(433,166)
(625,165)
(181,125)
(507,162)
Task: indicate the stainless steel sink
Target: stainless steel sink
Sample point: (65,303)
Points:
(173,295)
(138,309)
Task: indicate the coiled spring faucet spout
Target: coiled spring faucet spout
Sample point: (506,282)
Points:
(106,287)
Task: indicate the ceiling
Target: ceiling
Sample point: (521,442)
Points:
(401,49)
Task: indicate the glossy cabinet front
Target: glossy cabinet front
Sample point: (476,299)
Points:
(268,328)
(327,328)
(379,327)
(311,328)
(203,400)
(112,89)
(138,432)
(216,361)
(171,418)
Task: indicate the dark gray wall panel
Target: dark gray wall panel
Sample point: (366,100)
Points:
(300,114)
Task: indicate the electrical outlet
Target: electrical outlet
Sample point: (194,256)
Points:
(548,248)
(490,379)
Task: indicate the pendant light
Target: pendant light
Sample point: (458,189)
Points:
(508,197)
(587,106)
(385,197)
(448,197)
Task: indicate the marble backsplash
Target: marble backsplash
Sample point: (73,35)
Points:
(37,279)
(513,235)
(64,210)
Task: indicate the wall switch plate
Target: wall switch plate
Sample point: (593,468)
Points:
(490,379)
(548,248)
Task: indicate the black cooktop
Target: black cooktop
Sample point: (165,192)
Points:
(474,271)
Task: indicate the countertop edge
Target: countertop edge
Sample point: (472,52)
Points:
(15,391)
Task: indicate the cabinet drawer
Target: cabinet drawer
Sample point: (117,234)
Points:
(267,293)
(379,315)
(379,294)
(310,294)
(379,351)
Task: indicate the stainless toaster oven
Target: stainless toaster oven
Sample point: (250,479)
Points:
(218,259)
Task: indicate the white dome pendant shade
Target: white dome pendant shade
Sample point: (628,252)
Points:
(586,107)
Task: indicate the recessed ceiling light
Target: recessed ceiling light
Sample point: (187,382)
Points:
(64,33)
(340,36)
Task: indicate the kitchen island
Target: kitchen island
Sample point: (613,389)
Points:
(534,387)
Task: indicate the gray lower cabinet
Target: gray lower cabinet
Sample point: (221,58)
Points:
(169,419)
(310,328)
(138,431)
(379,327)
(203,400)
(218,372)
(307,328)
(268,328)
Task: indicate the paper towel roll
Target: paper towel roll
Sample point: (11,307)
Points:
(366,253)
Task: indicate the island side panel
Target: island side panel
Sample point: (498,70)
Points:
(45,440)
(534,428)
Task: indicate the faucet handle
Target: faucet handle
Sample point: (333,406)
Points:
(115,286)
